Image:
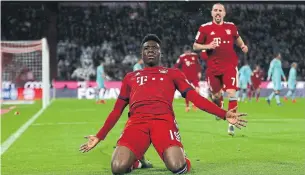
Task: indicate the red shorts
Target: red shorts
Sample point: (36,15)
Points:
(143,129)
(194,82)
(256,85)
(227,80)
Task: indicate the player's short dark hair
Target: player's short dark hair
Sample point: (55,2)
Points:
(151,37)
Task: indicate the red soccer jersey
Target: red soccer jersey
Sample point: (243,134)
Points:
(257,77)
(139,88)
(189,65)
(223,56)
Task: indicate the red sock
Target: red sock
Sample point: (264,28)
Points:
(232,103)
(188,163)
(187,102)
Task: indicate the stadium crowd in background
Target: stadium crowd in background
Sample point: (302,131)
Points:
(90,32)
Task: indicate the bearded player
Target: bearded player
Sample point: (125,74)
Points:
(257,77)
(218,38)
(189,64)
(149,93)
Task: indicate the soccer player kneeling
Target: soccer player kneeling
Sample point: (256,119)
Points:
(149,93)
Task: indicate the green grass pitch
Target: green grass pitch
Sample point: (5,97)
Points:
(273,142)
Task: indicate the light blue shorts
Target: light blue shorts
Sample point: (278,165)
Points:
(277,85)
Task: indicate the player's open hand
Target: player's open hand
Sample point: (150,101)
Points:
(92,142)
(235,118)
(244,48)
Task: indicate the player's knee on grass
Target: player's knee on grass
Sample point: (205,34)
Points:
(174,160)
(122,160)
(231,93)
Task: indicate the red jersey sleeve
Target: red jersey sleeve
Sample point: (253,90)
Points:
(181,83)
(200,37)
(125,89)
(235,31)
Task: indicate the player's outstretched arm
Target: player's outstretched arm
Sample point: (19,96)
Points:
(197,46)
(206,105)
(111,120)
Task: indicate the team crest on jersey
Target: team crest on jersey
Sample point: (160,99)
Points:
(163,71)
(228,31)
(193,58)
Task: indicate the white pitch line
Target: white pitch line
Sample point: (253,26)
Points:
(62,123)
(8,142)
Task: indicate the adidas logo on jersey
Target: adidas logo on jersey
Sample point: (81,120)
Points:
(212,33)
(228,31)
(163,71)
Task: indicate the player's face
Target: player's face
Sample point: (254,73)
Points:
(151,53)
(218,13)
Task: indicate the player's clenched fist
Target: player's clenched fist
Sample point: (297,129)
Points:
(92,142)
(244,48)
(235,118)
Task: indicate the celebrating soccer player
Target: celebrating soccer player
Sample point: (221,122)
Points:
(218,38)
(100,77)
(190,66)
(149,93)
(244,80)
(256,78)
(292,83)
(276,72)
